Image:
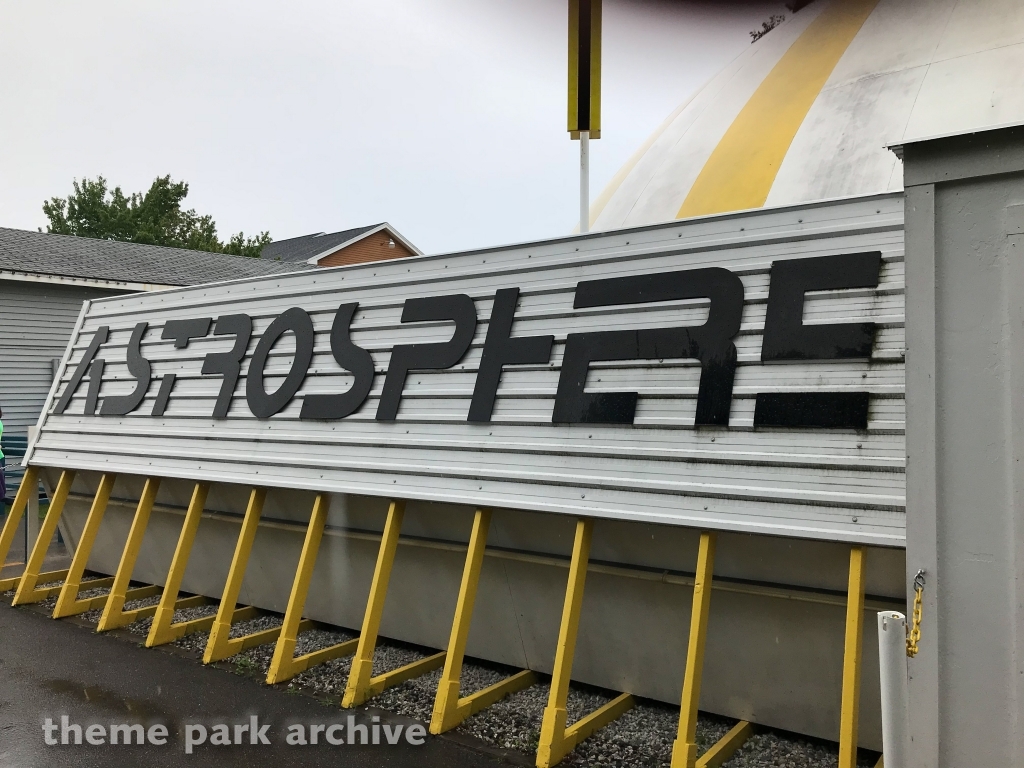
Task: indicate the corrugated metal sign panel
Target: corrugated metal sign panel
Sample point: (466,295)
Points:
(836,483)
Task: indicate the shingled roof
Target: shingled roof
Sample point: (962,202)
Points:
(108,260)
(298,250)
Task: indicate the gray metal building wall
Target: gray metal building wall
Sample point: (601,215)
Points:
(36,320)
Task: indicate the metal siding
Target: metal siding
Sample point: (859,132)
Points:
(36,323)
(830,484)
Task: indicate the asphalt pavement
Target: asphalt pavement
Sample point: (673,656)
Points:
(54,669)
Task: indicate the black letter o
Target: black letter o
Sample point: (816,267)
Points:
(262,404)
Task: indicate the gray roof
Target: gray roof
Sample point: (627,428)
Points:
(82,257)
(301,249)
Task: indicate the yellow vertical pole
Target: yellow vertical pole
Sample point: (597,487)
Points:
(160,630)
(684,750)
(27,592)
(446,703)
(29,484)
(851,661)
(553,744)
(217,647)
(284,651)
(66,603)
(357,689)
(112,611)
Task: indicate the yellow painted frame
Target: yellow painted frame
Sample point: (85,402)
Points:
(27,591)
(29,484)
(285,665)
(726,746)
(684,750)
(449,709)
(573,115)
(557,740)
(114,615)
(221,645)
(68,603)
(361,683)
(163,629)
(852,661)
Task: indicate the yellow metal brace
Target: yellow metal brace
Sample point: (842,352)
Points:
(361,683)
(114,615)
(27,592)
(557,740)
(285,665)
(221,645)
(684,750)
(29,485)
(726,746)
(68,603)
(851,661)
(449,709)
(163,629)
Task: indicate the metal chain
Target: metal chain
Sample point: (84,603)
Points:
(914,635)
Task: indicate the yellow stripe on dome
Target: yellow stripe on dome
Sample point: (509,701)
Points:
(740,172)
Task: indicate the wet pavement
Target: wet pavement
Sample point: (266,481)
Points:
(50,669)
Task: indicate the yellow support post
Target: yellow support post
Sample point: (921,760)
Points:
(113,610)
(29,484)
(358,688)
(557,740)
(221,645)
(684,750)
(726,746)
(851,661)
(27,592)
(163,630)
(68,603)
(449,709)
(285,665)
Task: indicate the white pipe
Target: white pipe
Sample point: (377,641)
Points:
(892,671)
(584,181)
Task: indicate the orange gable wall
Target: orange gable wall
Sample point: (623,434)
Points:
(371,248)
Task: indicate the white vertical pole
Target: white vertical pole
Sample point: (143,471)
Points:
(584,181)
(892,671)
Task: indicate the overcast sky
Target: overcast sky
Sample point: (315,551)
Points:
(444,117)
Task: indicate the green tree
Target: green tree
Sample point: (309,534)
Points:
(153,218)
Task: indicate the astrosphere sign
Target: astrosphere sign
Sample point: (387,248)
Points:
(741,372)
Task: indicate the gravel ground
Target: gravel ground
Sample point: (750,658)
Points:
(51,602)
(130,605)
(257,660)
(142,626)
(196,642)
(773,750)
(641,738)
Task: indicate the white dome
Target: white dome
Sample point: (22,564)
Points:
(807,111)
